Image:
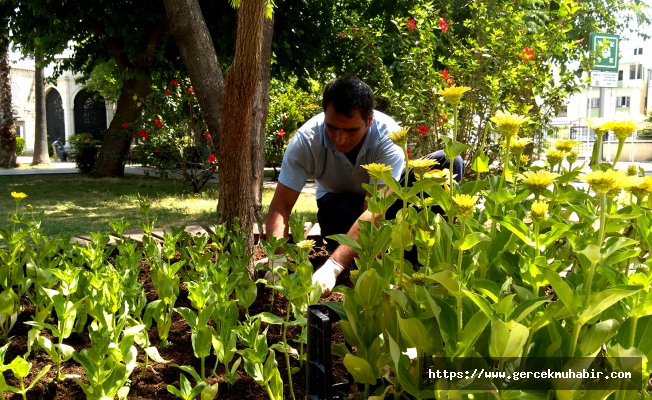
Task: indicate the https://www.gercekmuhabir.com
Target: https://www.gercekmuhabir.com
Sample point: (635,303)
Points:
(518,375)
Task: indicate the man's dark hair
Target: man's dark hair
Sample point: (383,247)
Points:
(347,94)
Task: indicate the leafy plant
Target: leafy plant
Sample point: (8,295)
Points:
(20,369)
(187,392)
(87,149)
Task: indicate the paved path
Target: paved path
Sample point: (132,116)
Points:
(59,167)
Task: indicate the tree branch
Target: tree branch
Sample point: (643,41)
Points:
(147,57)
(120,58)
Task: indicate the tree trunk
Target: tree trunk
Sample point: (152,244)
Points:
(198,54)
(115,146)
(259,119)
(234,159)
(117,140)
(7,127)
(41,144)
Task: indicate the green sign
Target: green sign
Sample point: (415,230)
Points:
(607,47)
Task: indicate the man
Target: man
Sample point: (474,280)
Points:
(332,147)
(58,146)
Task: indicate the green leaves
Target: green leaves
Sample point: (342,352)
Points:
(507,339)
(359,369)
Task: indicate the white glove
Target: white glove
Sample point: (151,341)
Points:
(326,276)
(278,262)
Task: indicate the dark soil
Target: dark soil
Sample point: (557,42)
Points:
(153,385)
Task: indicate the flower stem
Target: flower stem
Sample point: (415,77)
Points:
(621,144)
(576,334)
(287,356)
(536,239)
(460,324)
(632,332)
(596,148)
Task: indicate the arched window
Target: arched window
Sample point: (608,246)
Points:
(90,114)
(54,116)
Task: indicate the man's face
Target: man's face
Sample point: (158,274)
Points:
(346,133)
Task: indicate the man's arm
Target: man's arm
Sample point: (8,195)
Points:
(280,208)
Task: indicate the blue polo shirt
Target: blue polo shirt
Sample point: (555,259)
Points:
(311,153)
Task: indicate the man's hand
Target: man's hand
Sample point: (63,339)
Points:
(327,275)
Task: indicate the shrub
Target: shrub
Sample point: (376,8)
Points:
(289,108)
(172,134)
(20,146)
(87,151)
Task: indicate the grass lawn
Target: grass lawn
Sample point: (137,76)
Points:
(77,205)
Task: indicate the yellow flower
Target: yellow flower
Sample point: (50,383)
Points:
(572,156)
(643,187)
(566,144)
(453,94)
(138,104)
(354,274)
(539,210)
(465,204)
(135,97)
(421,166)
(632,170)
(599,125)
(399,137)
(603,182)
(555,156)
(507,123)
(306,244)
(524,159)
(376,170)
(18,196)
(517,145)
(624,127)
(439,173)
(538,181)
(418,278)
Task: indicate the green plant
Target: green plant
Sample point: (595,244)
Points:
(21,369)
(187,392)
(87,149)
(20,146)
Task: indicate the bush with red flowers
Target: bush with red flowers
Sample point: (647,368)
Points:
(171,135)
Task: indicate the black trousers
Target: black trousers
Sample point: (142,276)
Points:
(337,212)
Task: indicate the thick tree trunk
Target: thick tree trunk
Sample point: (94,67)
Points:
(41,144)
(7,127)
(240,89)
(259,118)
(198,54)
(110,160)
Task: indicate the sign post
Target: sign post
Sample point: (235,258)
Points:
(605,68)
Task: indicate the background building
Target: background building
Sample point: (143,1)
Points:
(69,107)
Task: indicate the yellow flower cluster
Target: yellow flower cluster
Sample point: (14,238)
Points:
(608,182)
(306,244)
(566,144)
(376,170)
(18,196)
(517,146)
(399,137)
(538,181)
(632,170)
(539,210)
(507,123)
(465,204)
(642,188)
(421,166)
(555,156)
(524,159)
(453,94)
(623,127)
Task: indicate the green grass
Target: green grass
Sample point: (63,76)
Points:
(76,205)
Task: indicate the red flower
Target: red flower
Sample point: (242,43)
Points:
(143,134)
(409,154)
(125,125)
(285,117)
(88,140)
(211,158)
(191,90)
(209,137)
(159,123)
(422,129)
(443,24)
(167,92)
(528,54)
(341,34)
(281,132)
(444,73)
(355,29)
(411,24)
(450,82)
(174,83)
